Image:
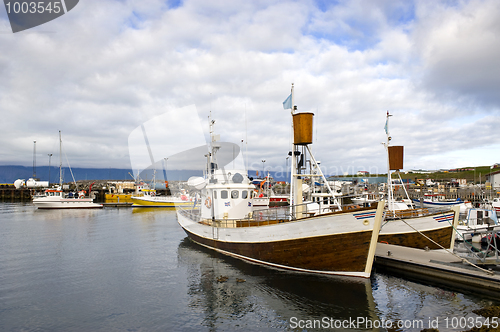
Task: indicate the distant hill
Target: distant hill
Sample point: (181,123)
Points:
(9,174)
(471,174)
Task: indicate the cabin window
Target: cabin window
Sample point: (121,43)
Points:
(215,194)
(235,194)
(223,194)
(244,194)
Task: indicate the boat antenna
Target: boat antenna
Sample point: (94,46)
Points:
(69,166)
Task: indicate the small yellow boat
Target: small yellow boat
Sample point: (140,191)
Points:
(150,199)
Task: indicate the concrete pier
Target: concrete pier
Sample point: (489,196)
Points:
(436,267)
(11,194)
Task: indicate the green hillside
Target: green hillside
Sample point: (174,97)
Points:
(476,174)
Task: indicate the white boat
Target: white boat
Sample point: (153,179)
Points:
(493,204)
(439,200)
(55,198)
(289,238)
(260,202)
(476,223)
(365,198)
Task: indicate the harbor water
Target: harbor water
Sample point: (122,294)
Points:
(124,269)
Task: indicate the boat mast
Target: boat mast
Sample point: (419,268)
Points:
(60,160)
(293,164)
(302,129)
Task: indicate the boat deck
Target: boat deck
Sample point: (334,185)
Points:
(437,267)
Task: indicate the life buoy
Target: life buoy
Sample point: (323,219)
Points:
(153,194)
(81,195)
(208,202)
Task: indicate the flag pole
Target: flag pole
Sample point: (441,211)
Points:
(293,166)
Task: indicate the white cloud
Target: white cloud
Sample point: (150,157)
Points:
(106,67)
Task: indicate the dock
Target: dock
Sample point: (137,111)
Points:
(437,267)
(117,204)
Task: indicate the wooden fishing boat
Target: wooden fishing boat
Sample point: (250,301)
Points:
(432,228)
(341,242)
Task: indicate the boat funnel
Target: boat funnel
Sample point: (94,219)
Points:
(302,128)
(395,158)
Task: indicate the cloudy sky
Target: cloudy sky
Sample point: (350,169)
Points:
(105,69)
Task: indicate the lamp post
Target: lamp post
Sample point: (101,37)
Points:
(50,155)
(34,159)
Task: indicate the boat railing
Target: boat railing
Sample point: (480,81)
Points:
(274,215)
(412,213)
(191,213)
(300,211)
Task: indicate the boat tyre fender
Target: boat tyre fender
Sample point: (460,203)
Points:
(208,202)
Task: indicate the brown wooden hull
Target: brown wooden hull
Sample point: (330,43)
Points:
(323,254)
(443,236)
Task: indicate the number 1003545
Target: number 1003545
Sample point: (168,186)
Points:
(33,7)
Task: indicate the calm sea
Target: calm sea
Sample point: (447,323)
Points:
(134,270)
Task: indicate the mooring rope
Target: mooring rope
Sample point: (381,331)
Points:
(447,250)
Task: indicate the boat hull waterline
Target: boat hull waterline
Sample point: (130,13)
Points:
(314,245)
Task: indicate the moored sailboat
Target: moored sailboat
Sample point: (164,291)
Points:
(56,198)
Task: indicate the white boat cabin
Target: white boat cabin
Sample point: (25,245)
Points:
(226,195)
(478,217)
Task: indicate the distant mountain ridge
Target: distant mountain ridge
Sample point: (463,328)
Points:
(9,174)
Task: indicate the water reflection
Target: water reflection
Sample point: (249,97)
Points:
(269,297)
(115,270)
(398,299)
